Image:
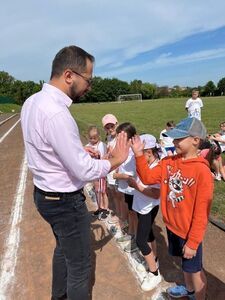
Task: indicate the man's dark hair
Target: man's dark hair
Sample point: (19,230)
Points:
(128,128)
(71,57)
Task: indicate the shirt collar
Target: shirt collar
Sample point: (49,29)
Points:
(54,90)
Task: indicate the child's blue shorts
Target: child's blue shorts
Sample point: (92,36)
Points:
(172,149)
(176,245)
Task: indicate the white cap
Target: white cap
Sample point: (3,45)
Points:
(149,140)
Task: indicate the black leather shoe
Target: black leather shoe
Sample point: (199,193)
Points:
(64,297)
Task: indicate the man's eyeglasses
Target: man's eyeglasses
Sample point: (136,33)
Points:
(88,80)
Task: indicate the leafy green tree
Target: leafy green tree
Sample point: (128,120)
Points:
(104,90)
(162,91)
(221,86)
(136,86)
(17,91)
(148,90)
(209,88)
(6,82)
(21,90)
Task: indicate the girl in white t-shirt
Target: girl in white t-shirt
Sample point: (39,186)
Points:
(125,171)
(146,204)
(99,150)
(110,123)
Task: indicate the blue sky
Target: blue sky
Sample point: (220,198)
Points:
(166,42)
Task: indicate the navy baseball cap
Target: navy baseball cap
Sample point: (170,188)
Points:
(187,127)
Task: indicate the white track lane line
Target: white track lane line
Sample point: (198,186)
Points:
(8,132)
(2,122)
(9,258)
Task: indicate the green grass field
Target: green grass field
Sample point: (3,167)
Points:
(9,108)
(150,117)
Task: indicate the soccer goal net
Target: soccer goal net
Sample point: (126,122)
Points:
(129,97)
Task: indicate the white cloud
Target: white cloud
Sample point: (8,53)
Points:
(167,59)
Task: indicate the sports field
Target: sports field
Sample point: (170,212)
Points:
(26,242)
(150,117)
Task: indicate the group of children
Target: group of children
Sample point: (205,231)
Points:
(181,182)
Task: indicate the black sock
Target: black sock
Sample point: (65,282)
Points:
(156,273)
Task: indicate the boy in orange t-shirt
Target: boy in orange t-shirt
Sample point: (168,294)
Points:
(186,196)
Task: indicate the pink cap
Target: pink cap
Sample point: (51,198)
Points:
(109,119)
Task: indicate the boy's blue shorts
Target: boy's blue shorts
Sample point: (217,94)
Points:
(172,149)
(176,245)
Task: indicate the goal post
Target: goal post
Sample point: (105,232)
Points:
(129,97)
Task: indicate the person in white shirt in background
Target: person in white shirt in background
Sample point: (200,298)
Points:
(194,105)
(166,142)
(146,204)
(99,148)
(125,171)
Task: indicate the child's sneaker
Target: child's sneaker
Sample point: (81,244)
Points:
(138,257)
(218,177)
(142,267)
(131,247)
(125,238)
(113,230)
(150,281)
(180,291)
(96,213)
(113,220)
(103,215)
(124,226)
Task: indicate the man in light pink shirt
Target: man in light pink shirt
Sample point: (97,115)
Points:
(61,167)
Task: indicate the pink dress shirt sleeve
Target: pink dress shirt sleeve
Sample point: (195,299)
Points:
(63,135)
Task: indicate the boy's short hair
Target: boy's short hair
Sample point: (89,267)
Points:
(195,91)
(187,127)
(128,128)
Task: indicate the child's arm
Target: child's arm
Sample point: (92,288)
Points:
(217,137)
(147,176)
(203,202)
(188,253)
(147,191)
(93,153)
(123,176)
(187,104)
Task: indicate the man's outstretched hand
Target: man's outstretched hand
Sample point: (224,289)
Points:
(120,152)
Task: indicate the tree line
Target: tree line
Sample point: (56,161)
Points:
(105,89)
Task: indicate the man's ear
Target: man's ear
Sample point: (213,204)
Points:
(68,76)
